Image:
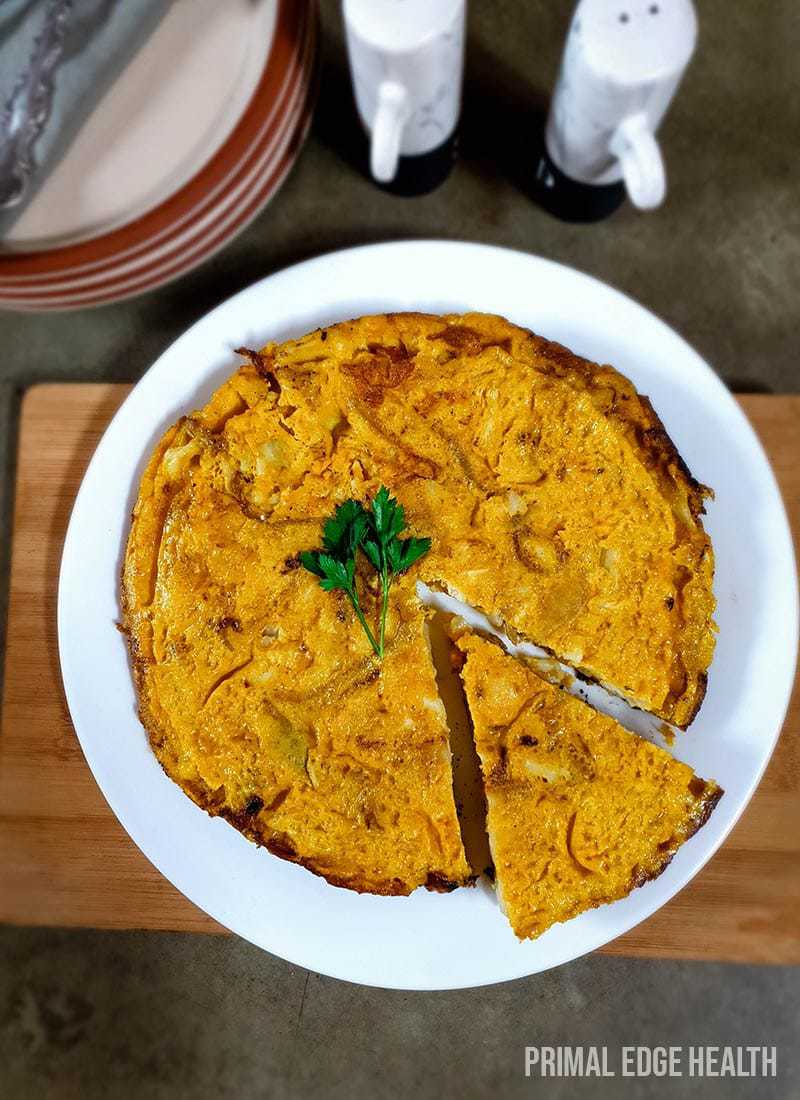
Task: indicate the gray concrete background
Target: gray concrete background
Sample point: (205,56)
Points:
(86,1014)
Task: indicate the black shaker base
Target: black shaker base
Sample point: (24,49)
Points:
(571,201)
(417,175)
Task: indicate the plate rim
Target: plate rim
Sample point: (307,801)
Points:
(781,700)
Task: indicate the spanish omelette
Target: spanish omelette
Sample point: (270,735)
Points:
(579,810)
(555,501)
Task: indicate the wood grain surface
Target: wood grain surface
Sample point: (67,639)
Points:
(65,860)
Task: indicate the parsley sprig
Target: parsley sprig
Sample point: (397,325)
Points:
(389,555)
(335,563)
(374,530)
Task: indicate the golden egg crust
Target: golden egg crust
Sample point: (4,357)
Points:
(579,810)
(554,500)
(262,697)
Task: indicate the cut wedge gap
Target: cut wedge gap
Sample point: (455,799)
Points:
(467,780)
(598,696)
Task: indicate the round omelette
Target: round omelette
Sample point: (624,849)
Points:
(554,500)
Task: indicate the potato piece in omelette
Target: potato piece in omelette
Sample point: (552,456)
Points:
(579,810)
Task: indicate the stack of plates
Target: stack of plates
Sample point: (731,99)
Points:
(186,148)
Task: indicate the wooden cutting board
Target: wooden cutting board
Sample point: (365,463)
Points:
(65,860)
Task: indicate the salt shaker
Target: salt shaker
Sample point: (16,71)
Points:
(622,65)
(406,62)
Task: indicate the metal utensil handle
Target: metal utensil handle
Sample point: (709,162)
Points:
(25,115)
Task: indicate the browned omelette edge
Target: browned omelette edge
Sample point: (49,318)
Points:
(712,793)
(635,413)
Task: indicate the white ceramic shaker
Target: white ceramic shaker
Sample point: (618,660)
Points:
(406,62)
(622,64)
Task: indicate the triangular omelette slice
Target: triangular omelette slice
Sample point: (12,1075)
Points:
(579,810)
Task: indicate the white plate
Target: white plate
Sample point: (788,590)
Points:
(427,941)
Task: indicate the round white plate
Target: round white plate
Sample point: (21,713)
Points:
(427,941)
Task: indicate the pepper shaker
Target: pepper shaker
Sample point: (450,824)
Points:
(622,64)
(406,62)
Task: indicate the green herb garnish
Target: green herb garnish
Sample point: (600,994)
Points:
(335,563)
(388,554)
(375,531)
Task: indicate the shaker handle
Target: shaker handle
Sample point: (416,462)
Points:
(391,116)
(642,164)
